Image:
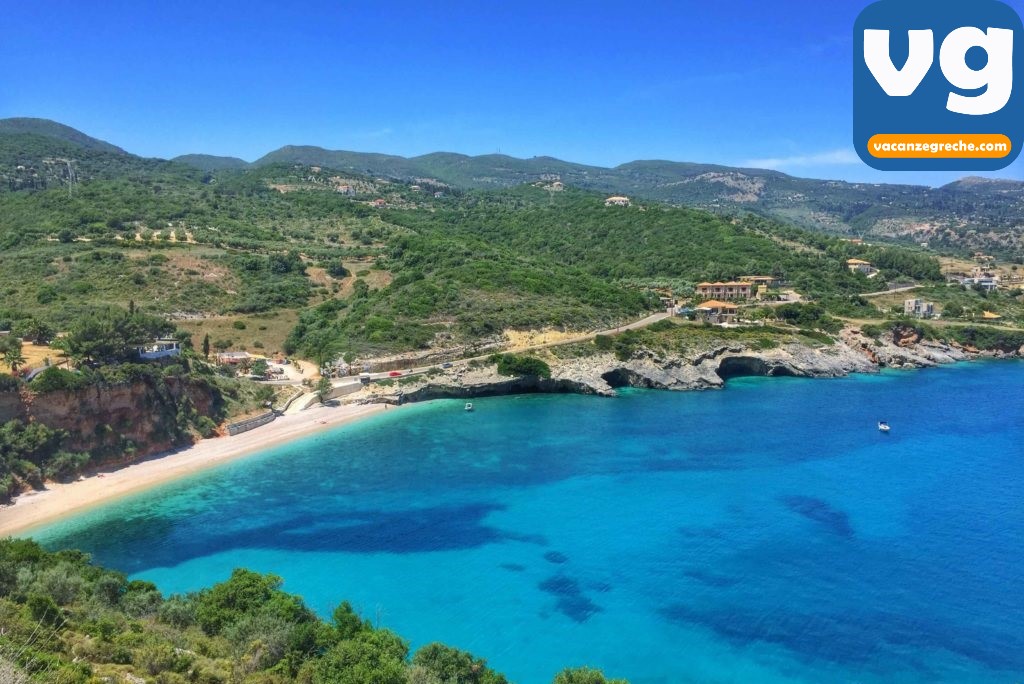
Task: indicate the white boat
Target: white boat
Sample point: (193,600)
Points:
(469,406)
(883,426)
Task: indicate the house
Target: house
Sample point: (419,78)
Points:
(346,190)
(861,266)
(617,202)
(765,281)
(717,312)
(730,290)
(159,349)
(984,282)
(233,358)
(379,203)
(991,316)
(438,195)
(854,241)
(918,308)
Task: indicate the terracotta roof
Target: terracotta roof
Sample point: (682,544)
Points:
(857,261)
(714,304)
(730,284)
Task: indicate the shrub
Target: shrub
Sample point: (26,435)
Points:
(518,366)
(54,379)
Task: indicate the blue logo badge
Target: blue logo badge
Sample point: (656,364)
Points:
(938,85)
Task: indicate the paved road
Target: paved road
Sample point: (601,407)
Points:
(885,292)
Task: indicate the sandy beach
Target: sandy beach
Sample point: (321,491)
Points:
(58,500)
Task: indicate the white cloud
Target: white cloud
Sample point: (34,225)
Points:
(830,158)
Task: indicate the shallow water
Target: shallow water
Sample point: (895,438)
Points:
(765,533)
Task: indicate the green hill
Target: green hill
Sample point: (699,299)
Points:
(57,131)
(210,162)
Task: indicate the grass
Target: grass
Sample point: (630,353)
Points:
(264,334)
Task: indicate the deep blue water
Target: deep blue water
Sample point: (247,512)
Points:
(765,533)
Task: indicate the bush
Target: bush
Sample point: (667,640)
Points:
(448,664)
(205,427)
(54,379)
(584,675)
(519,366)
(65,466)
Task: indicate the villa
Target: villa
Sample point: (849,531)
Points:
(159,349)
(985,282)
(918,308)
(617,202)
(861,266)
(717,312)
(763,281)
(731,290)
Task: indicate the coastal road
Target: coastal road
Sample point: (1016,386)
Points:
(895,291)
(351,384)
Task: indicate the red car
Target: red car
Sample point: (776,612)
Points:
(395,374)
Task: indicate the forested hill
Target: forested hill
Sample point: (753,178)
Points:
(969,215)
(302,257)
(973,214)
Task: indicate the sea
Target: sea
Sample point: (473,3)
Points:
(766,533)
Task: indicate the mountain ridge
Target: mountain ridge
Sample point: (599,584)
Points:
(971,213)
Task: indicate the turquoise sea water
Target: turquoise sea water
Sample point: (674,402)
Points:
(765,533)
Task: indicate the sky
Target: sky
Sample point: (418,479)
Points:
(741,82)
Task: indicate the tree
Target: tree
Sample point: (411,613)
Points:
(450,665)
(206,346)
(36,331)
(584,675)
(323,389)
(260,367)
(10,349)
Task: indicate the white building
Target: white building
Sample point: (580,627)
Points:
(918,308)
(159,349)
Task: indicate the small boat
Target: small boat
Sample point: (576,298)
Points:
(883,426)
(469,406)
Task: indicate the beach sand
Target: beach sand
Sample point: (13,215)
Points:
(59,500)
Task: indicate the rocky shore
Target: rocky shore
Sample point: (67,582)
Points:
(602,373)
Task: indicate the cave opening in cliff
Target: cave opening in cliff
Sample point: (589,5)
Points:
(747,366)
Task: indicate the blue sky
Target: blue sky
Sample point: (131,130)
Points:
(740,82)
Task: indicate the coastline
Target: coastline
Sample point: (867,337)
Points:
(35,509)
(599,375)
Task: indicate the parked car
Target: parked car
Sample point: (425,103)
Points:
(447,364)
(394,374)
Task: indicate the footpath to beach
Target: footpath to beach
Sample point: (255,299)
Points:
(59,500)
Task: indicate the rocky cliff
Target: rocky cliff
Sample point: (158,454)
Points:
(603,373)
(119,422)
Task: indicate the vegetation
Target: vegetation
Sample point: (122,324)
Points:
(520,366)
(65,620)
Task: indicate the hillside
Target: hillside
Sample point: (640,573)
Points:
(973,214)
(290,257)
(56,131)
(966,216)
(209,162)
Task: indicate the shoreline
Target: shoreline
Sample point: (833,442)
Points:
(35,509)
